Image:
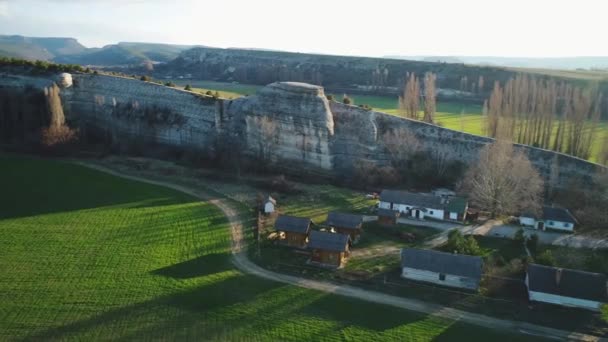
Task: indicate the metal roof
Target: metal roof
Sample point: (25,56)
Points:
(454,204)
(343,220)
(328,241)
(292,224)
(567,283)
(441,262)
(388,213)
(554,214)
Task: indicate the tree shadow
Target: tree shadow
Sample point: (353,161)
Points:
(198,267)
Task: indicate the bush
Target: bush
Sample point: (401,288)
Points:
(546,258)
(170,84)
(144,78)
(519,236)
(188,87)
(347,100)
(329,97)
(596,263)
(461,245)
(532,243)
(209,92)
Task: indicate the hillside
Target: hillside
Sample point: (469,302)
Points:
(38,48)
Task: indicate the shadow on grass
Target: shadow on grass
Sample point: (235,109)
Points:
(201,266)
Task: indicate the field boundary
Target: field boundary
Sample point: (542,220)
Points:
(242,262)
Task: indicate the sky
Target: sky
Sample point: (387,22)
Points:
(515,28)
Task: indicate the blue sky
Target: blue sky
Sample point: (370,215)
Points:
(532,28)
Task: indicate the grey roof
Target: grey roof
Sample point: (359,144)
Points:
(572,283)
(422,200)
(292,224)
(271,200)
(554,214)
(441,262)
(388,212)
(343,220)
(328,241)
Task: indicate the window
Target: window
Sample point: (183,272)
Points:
(441,276)
(551,223)
(567,225)
(430,212)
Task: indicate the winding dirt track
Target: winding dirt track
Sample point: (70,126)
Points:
(241,261)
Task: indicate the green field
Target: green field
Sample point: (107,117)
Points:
(88,256)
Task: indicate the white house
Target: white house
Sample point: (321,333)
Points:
(269,205)
(552,218)
(423,206)
(454,270)
(566,287)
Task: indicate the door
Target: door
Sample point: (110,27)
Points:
(417,213)
(541,226)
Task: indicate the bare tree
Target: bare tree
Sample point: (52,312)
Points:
(57,132)
(401,144)
(503,181)
(429,97)
(409,102)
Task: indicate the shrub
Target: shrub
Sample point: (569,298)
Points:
(145,78)
(461,245)
(188,87)
(532,243)
(209,92)
(546,258)
(347,100)
(329,97)
(170,84)
(596,263)
(519,236)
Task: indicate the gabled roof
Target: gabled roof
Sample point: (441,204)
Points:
(292,224)
(342,220)
(328,241)
(554,214)
(388,213)
(567,283)
(271,200)
(441,262)
(455,204)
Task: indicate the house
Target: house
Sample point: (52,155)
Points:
(454,270)
(552,217)
(346,224)
(388,217)
(292,230)
(269,205)
(444,193)
(566,287)
(329,249)
(424,206)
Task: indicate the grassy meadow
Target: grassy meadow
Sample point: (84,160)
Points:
(88,256)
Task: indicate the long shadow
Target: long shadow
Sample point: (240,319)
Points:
(201,266)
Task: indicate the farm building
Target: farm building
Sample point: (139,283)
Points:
(454,270)
(566,287)
(444,193)
(387,216)
(292,230)
(350,224)
(269,205)
(552,218)
(424,206)
(329,249)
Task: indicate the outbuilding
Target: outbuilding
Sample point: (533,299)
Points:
(566,287)
(552,217)
(293,231)
(343,223)
(388,217)
(424,206)
(453,270)
(329,249)
(269,205)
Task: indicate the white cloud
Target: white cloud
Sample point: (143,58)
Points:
(3,8)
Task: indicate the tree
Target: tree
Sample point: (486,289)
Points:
(409,101)
(57,133)
(532,243)
(429,97)
(401,144)
(461,245)
(188,87)
(546,258)
(347,100)
(503,181)
(519,236)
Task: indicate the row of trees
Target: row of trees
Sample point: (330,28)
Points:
(544,113)
(410,100)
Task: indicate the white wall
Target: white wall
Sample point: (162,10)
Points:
(559,225)
(384,205)
(565,301)
(432,277)
(268,207)
(527,221)
(453,216)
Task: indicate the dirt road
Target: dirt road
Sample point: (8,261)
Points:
(241,261)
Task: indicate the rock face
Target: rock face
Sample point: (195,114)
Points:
(291,124)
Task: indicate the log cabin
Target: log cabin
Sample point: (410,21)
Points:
(293,231)
(342,223)
(446,269)
(566,287)
(329,249)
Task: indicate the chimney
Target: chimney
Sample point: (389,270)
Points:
(558,276)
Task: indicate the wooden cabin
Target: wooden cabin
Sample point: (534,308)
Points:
(342,223)
(572,288)
(329,249)
(388,217)
(293,231)
(446,269)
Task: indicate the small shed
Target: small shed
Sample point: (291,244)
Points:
(293,231)
(350,224)
(388,217)
(269,205)
(566,287)
(329,249)
(454,270)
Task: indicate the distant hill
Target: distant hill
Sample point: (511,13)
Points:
(38,48)
(569,63)
(69,50)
